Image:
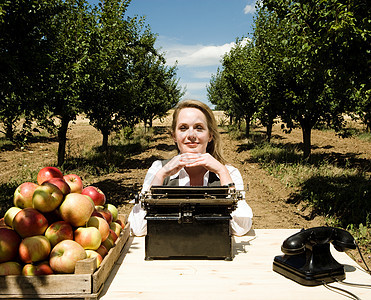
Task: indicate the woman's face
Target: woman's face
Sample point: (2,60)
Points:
(191,131)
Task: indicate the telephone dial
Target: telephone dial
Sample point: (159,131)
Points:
(307,258)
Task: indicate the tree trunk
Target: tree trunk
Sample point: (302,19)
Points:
(269,130)
(62,140)
(307,140)
(247,129)
(105,134)
(9,130)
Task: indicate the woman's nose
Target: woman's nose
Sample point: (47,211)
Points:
(191,134)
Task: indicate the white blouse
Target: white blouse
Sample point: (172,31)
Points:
(240,223)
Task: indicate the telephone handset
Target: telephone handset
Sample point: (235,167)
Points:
(307,258)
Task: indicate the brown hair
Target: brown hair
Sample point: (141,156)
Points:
(214,146)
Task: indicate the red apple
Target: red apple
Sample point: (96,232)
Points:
(101,224)
(23,194)
(92,253)
(116,227)
(59,231)
(41,268)
(105,212)
(47,197)
(76,209)
(48,173)
(102,250)
(34,248)
(113,209)
(97,214)
(29,222)
(122,224)
(64,256)
(95,194)
(88,237)
(61,184)
(110,241)
(10,214)
(75,182)
(9,244)
(10,268)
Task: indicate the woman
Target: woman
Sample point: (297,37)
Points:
(198,163)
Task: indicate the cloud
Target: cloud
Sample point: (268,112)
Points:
(249,8)
(196,55)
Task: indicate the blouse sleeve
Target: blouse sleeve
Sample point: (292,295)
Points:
(242,216)
(138,225)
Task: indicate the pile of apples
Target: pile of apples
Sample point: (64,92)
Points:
(55,223)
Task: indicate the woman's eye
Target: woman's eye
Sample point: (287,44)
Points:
(199,127)
(183,128)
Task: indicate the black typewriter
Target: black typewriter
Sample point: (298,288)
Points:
(189,222)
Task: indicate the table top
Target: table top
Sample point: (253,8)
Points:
(248,276)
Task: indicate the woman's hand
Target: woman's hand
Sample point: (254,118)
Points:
(208,162)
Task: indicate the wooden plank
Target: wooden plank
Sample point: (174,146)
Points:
(86,266)
(46,284)
(248,276)
(100,276)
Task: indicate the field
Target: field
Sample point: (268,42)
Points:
(120,172)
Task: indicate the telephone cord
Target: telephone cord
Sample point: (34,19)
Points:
(341,291)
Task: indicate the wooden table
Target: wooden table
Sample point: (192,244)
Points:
(248,276)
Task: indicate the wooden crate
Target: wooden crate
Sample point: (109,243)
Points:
(86,283)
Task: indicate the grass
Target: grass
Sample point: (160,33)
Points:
(336,186)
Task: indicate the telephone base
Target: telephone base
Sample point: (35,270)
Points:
(310,268)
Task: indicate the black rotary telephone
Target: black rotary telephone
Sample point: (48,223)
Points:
(307,258)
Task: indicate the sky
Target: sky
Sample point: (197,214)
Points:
(195,34)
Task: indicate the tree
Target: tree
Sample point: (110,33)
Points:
(23,55)
(69,37)
(107,101)
(325,60)
(153,86)
(269,75)
(238,70)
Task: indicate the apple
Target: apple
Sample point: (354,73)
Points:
(122,224)
(105,212)
(29,222)
(10,214)
(101,224)
(61,184)
(76,209)
(47,197)
(41,268)
(23,194)
(102,250)
(75,182)
(116,227)
(88,237)
(48,173)
(113,209)
(9,243)
(59,231)
(95,194)
(10,268)
(64,256)
(110,241)
(92,253)
(97,214)
(34,248)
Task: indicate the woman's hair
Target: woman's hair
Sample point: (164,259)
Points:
(214,146)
